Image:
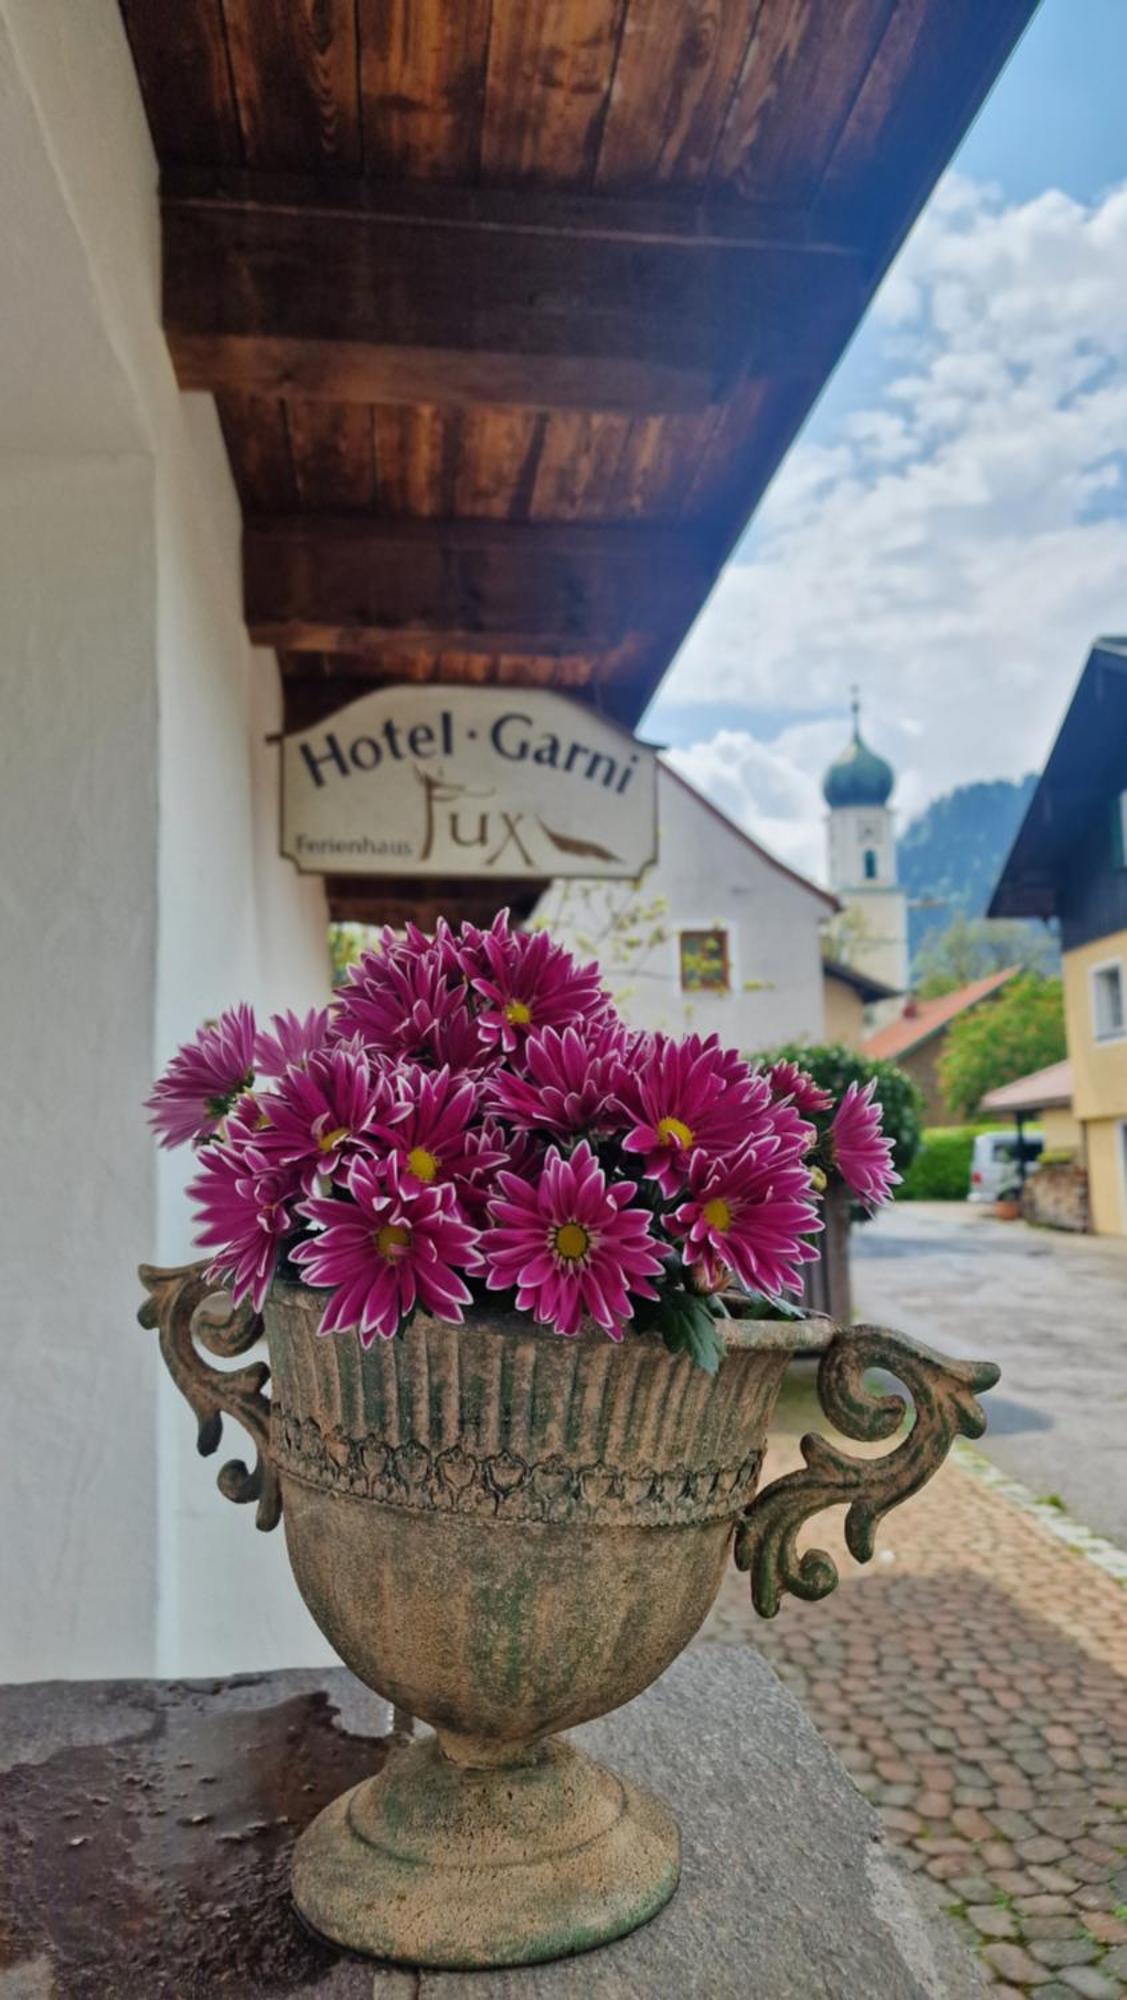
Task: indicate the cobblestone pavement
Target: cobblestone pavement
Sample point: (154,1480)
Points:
(973,1680)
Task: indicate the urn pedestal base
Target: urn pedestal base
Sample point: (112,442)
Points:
(433,1863)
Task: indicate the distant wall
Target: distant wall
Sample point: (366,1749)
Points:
(845,1012)
(706,876)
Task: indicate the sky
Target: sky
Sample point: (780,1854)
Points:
(949,531)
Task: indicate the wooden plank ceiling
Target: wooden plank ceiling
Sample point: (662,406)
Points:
(511,307)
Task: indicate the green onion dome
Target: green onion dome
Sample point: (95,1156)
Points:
(858,777)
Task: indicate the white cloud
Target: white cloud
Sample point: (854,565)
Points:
(955,544)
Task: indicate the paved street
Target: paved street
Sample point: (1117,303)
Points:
(1050,1308)
(973,1680)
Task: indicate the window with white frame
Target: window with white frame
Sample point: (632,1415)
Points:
(1108,1018)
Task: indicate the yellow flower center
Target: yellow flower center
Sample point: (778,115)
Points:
(327,1140)
(717,1214)
(422,1164)
(518,1014)
(392,1238)
(571,1242)
(673,1132)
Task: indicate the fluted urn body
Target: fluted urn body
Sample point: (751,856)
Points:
(505,1532)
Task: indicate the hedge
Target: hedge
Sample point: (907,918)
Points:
(941,1168)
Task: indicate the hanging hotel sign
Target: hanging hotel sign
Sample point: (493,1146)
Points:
(468,782)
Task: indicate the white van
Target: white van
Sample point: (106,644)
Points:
(994,1160)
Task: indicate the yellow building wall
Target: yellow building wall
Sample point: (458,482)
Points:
(1099,1083)
(845,1014)
(1103,1143)
(1060,1130)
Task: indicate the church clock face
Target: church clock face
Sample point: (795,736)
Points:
(868,830)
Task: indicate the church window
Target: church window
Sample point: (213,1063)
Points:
(870,864)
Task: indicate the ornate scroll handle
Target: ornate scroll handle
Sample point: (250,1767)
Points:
(187,1308)
(943,1394)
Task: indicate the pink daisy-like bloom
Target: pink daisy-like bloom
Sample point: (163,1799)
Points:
(487,1147)
(428,1126)
(245,1212)
(571,1080)
(571,1244)
(859,1149)
(787,1080)
(748,1214)
(404,1002)
(291,1038)
(313,1119)
(395,1245)
(524,982)
(683,1095)
(203,1080)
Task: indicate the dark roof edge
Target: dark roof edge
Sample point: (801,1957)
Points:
(861,982)
(1031,899)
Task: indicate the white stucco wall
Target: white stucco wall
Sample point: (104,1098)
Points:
(141,884)
(706,875)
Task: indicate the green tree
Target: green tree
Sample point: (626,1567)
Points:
(973,947)
(1020,1031)
(346,942)
(835,1067)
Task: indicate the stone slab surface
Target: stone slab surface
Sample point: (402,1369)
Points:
(146,1827)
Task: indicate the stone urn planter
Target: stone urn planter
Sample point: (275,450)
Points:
(506,1534)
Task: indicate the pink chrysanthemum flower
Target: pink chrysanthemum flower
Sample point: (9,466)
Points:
(394,1245)
(683,1095)
(571,1244)
(859,1149)
(787,1080)
(203,1080)
(748,1214)
(524,982)
(291,1038)
(245,1212)
(405,1002)
(487,1147)
(570,1083)
(428,1125)
(314,1119)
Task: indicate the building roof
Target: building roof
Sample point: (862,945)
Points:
(858,777)
(825,896)
(864,985)
(1082,768)
(922,1019)
(511,311)
(1042,1090)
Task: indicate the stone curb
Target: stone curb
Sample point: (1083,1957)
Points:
(1056,1521)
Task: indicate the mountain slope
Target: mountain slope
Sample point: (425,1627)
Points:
(950,857)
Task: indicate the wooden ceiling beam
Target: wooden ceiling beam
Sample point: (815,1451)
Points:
(314,583)
(363,293)
(387,899)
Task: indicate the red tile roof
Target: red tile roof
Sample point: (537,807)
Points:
(923,1018)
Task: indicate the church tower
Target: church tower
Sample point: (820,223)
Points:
(872,932)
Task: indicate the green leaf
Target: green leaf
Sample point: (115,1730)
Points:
(688,1327)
